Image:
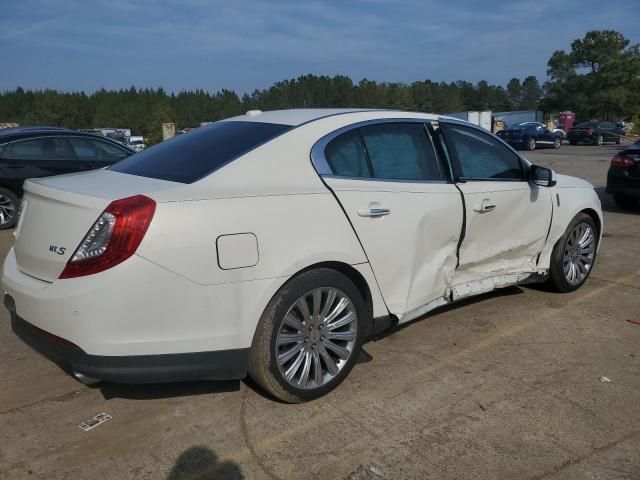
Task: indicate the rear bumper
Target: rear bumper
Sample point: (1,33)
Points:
(217,365)
(621,183)
(581,137)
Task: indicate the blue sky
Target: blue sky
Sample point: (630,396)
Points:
(248,44)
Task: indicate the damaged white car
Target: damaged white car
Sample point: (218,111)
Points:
(272,244)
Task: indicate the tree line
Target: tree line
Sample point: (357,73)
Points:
(600,77)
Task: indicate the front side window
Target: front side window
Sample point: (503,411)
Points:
(90,149)
(44,148)
(480,156)
(192,156)
(385,151)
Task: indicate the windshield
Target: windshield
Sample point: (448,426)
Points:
(194,155)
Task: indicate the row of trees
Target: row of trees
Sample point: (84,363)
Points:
(144,110)
(600,77)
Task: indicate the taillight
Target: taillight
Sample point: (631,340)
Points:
(113,238)
(622,161)
(590,130)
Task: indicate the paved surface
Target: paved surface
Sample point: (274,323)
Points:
(505,386)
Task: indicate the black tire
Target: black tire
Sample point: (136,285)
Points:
(557,143)
(263,366)
(619,141)
(598,141)
(557,280)
(624,201)
(9,205)
(531,144)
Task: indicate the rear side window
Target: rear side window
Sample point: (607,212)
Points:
(192,156)
(89,149)
(346,156)
(386,151)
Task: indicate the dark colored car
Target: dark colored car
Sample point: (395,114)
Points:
(623,179)
(595,133)
(530,135)
(32,152)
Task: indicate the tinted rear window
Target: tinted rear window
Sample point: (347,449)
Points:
(192,156)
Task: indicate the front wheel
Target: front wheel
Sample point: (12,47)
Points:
(618,140)
(557,143)
(574,254)
(531,144)
(309,336)
(598,141)
(9,204)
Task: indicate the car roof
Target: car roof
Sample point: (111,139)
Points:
(297,116)
(31,129)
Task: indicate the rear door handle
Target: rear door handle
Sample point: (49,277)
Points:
(373,212)
(484,207)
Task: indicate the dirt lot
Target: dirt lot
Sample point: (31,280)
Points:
(504,386)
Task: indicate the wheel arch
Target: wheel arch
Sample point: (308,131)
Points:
(596,219)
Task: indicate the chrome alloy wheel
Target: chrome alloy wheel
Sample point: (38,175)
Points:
(7,209)
(316,338)
(579,252)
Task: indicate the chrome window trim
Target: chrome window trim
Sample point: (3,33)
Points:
(321,165)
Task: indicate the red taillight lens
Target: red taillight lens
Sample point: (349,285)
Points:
(622,161)
(113,238)
(590,130)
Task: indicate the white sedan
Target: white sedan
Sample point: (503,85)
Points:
(274,243)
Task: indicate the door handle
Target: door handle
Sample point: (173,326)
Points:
(373,212)
(484,207)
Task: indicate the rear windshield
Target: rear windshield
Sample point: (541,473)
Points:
(192,156)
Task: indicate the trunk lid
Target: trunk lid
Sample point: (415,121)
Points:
(57,213)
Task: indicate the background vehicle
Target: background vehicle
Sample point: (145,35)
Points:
(530,135)
(623,178)
(136,144)
(33,152)
(274,243)
(596,133)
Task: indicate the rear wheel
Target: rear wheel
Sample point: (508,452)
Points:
(531,144)
(309,336)
(618,140)
(574,255)
(9,204)
(598,140)
(557,143)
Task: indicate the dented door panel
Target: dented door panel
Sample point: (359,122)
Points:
(412,249)
(509,236)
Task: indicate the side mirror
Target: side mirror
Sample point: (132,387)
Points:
(544,177)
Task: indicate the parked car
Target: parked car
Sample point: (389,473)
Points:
(275,243)
(623,178)
(136,144)
(530,135)
(595,133)
(32,152)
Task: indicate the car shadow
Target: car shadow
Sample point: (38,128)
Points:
(200,462)
(154,391)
